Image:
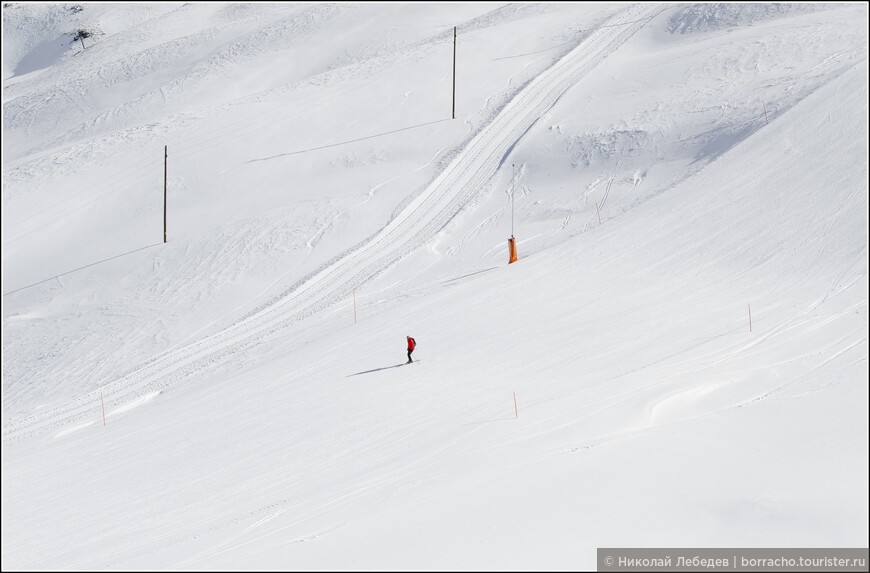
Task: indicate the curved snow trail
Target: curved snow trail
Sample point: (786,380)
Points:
(418,222)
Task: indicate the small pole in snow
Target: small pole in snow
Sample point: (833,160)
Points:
(598,211)
(765,111)
(516,410)
(513,189)
(454,72)
(165,168)
(750,316)
(82,40)
(103,404)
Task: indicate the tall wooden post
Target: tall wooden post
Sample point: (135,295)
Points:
(454,72)
(165,161)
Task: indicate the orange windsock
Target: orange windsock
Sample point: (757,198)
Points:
(512,248)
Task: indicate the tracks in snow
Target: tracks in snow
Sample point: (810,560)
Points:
(429,212)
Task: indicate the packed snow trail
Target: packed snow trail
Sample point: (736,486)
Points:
(418,222)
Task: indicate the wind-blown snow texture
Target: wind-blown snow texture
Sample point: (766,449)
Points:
(673,168)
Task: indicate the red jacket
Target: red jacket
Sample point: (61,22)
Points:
(411,343)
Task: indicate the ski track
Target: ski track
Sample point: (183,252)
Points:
(413,227)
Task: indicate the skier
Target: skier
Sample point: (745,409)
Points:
(412,344)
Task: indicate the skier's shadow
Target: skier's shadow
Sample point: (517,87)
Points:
(376,370)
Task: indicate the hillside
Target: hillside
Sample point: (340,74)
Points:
(676,171)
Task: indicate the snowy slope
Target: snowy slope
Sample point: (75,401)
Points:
(674,165)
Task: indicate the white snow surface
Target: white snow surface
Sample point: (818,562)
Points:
(678,358)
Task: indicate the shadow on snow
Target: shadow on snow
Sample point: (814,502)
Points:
(376,370)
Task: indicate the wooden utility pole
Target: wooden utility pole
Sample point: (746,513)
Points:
(165,168)
(454,72)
